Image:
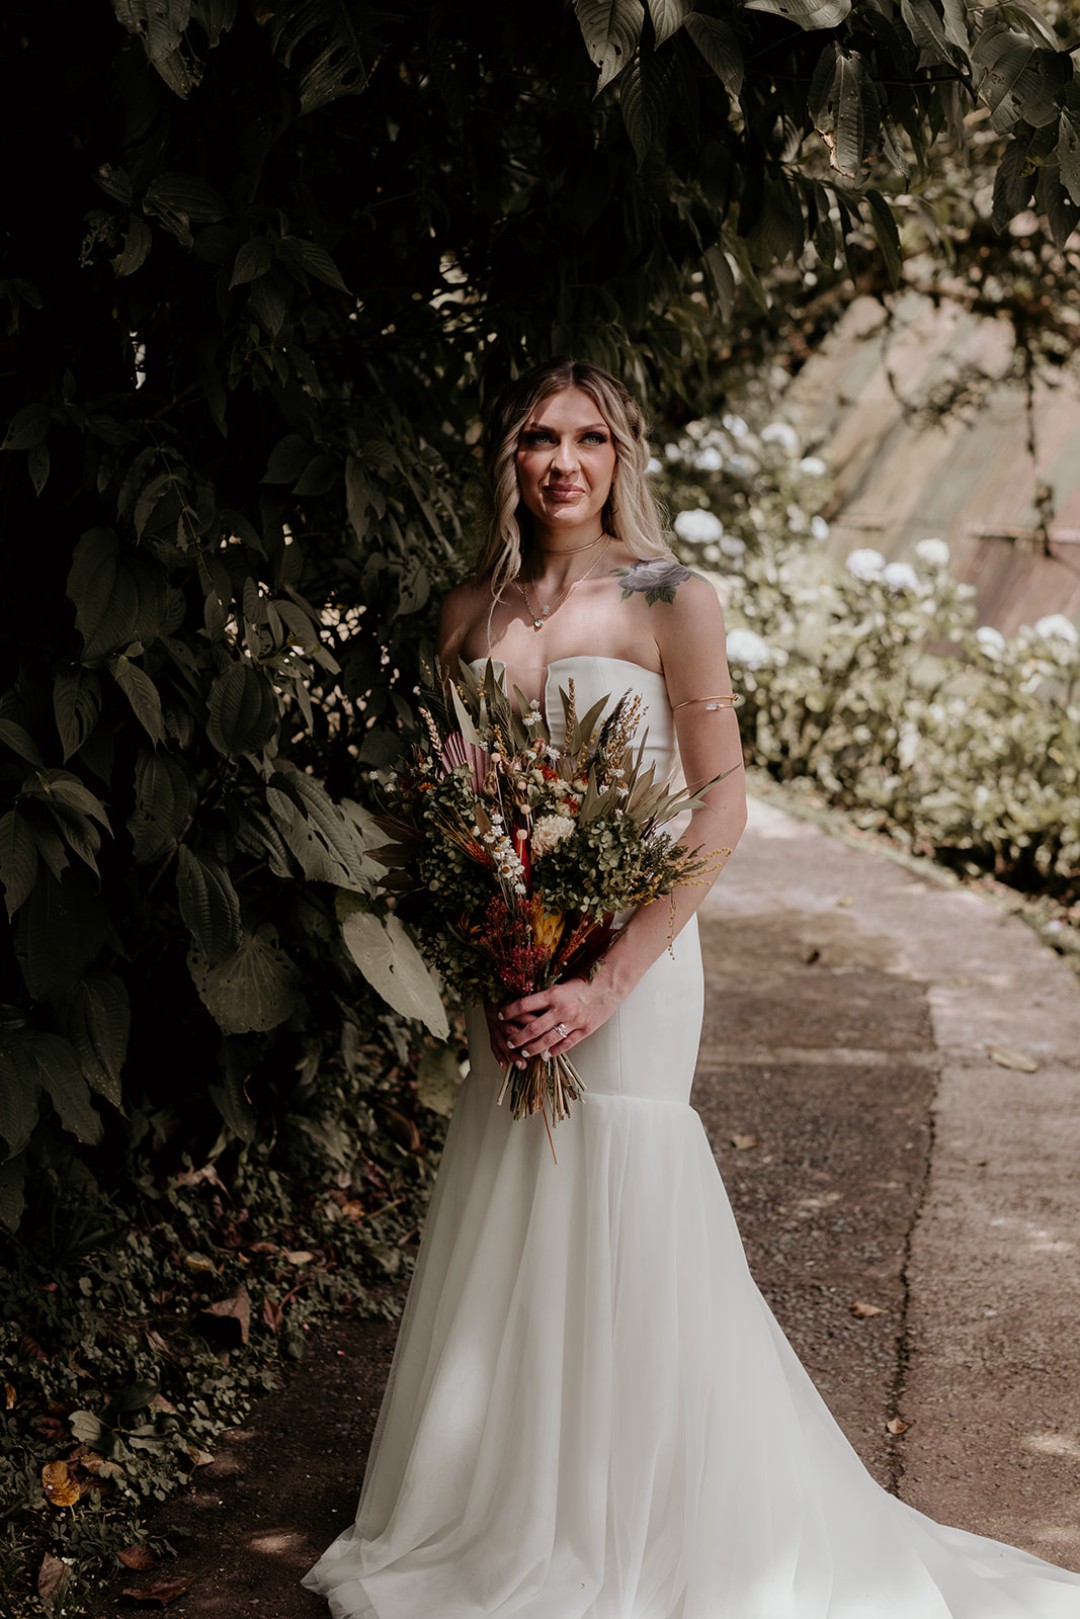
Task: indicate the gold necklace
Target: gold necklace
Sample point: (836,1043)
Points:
(541,615)
(569,550)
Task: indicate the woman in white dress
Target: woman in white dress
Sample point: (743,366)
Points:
(591,1412)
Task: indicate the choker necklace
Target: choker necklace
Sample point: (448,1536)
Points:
(570,550)
(540,615)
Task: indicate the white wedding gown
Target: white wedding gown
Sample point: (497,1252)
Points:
(592,1413)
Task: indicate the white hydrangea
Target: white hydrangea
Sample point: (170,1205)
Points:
(743,466)
(732,546)
(781,433)
(812,466)
(819,528)
(735,426)
(933,553)
(709,459)
(672,452)
(991,641)
(866,563)
(653,467)
(1056,627)
(698,526)
(548,832)
(747,647)
(900,576)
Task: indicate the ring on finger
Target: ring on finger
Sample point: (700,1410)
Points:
(561,1030)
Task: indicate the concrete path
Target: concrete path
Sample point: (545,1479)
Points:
(835,968)
(910,1207)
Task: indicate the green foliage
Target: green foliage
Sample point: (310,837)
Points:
(872,681)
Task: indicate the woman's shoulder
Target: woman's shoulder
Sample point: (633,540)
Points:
(667,582)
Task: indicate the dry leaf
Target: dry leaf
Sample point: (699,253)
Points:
(60,1488)
(9,1396)
(353,1209)
(1007,1057)
(52,1576)
(199,1264)
(897,1425)
(232,1315)
(197,1457)
(744,1143)
(863,1310)
(138,1557)
(163,1591)
(299,1256)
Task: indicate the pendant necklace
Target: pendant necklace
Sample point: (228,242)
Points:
(540,615)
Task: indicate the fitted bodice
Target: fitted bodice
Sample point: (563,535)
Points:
(595,677)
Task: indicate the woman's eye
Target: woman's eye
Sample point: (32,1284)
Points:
(594,438)
(531,440)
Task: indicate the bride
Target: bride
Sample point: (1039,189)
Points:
(592,1413)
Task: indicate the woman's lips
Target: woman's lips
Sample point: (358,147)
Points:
(563,491)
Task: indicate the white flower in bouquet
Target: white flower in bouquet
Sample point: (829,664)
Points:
(548,832)
(698,527)
(933,553)
(900,576)
(991,641)
(781,433)
(747,647)
(1056,627)
(812,466)
(866,563)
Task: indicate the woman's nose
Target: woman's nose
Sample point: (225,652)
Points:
(565,457)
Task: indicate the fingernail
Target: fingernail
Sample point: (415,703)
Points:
(520,1063)
(525,1052)
(510,1044)
(500,1017)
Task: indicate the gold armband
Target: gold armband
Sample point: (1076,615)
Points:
(723,700)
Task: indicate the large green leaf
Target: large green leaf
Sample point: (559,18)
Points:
(18,860)
(142,694)
(254,989)
(645,100)
(19,1084)
(76,705)
(1018,80)
(844,106)
(321,39)
(208,904)
(392,964)
(58,933)
(243,710)
(1068,152)
(716,41)
(808,14)
(18,739)
(99,1024)
(667,17)
(611,30)
(12,1198)
(62,1080)
(164,801)
(117,602)
(887,234)
(328,845)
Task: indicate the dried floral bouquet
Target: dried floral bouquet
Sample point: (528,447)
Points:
(512,856)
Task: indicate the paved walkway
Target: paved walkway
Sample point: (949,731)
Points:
(910,1208)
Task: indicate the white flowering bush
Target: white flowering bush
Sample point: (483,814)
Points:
(872,679)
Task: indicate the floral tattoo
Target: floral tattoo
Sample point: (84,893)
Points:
(657,581)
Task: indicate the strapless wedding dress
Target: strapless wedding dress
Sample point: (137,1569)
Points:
(592,1413)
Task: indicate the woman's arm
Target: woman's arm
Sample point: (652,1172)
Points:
(692,640)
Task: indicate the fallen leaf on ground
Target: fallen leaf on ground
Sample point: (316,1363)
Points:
(199,1264)
(864,1310)
(9,1396)
(897,1425)
(138,1557)
(60,1488)
(162,1591)
(197,1457)
(299,1256)
(744,1143)
(233,1314)
(353,1209)
(51,1576)
(1007,1057)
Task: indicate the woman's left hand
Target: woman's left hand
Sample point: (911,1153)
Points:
(552,1021)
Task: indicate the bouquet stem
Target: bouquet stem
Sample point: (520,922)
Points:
(543,1080)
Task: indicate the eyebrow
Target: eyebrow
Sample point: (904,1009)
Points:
(593,427)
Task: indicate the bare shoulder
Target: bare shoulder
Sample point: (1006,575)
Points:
(687,597)
(460,611)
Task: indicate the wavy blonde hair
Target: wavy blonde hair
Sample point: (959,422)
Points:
(630,513)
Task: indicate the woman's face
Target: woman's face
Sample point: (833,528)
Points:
(566,464)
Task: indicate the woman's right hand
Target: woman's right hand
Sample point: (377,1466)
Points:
(498,1031)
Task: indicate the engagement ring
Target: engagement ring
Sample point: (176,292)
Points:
(561,1030)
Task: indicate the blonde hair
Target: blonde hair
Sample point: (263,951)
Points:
(630,513)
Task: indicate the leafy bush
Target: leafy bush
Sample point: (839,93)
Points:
(872,681)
